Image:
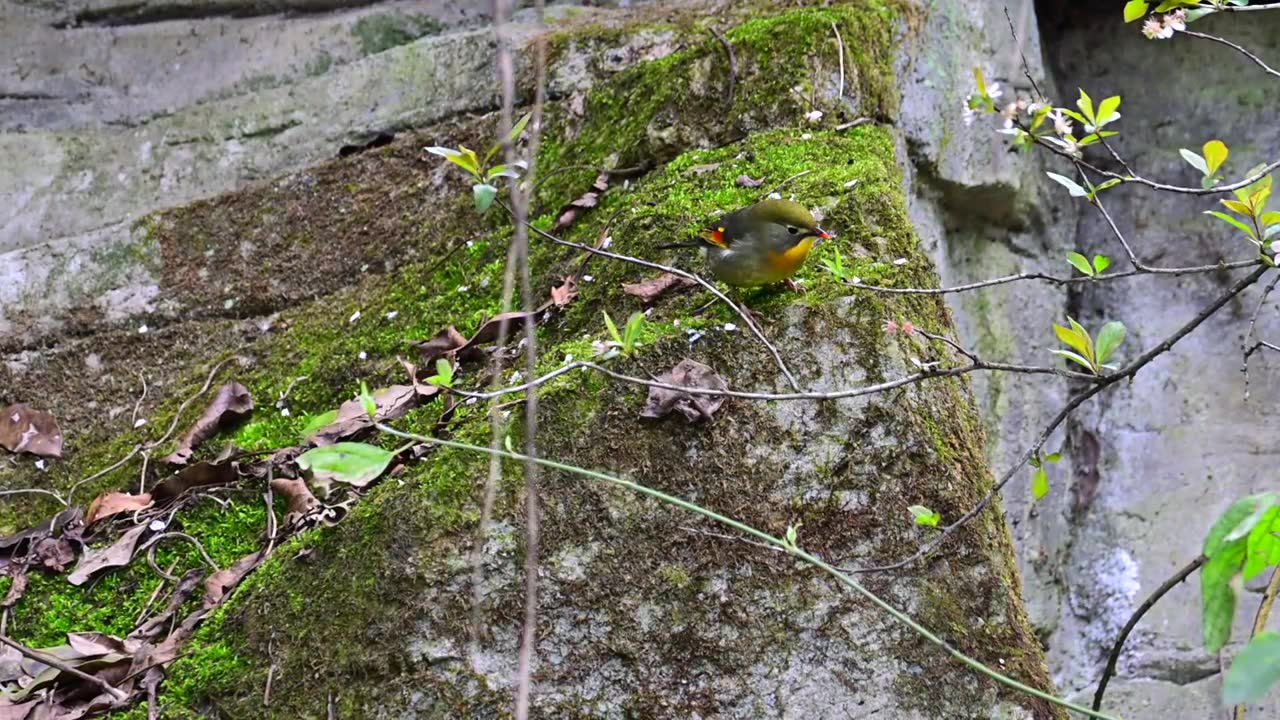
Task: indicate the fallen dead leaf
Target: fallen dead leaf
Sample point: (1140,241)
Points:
(110,503)
(565,292)
(224,581)
(152,627)
(443,343)
(587,200)
(748,181)
(393,402)
(54,554)
(232,404)
(687,373)
(198,475)
(23,429)
(298,500)
(489,331)
(650,290)
(116,554)
(17,586)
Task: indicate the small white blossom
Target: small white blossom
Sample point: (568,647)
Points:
(1061,123)
(607,242)
(994,91)
(463,288)
(363,355)
(568,358)
(143,330)
(40,465)
(139,422)
(157,525)
(392,315)
(730,327)
(354,317)
(588,278)
(969,114)
(1176,20)
(1036,106)
(851,183)
(1009,113)
(900,261)
(284,412)
(813,116)
(806,136)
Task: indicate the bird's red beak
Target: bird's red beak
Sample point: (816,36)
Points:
(824,234)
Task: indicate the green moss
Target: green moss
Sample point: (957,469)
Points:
(377,33)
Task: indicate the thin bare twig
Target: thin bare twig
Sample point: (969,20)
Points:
(840,50)
(1252,58)
(733,64)
(155,542)
(778,187)
(72,492)
(1260,622)
(34,491)
(54,662)
(1074,402)
(519,209)
(1245,350)
(133,420)
(853,123)
(1114,656)
(1234,265)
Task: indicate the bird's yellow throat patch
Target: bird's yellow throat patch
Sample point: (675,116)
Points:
(787,262)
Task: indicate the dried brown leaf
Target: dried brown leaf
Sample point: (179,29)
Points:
(116,554)
(198,475)
(224,581)
(298,500)
(152,628)
(24,429)
(445,342)
(700,169)
(650,290)
(587,200)
(54,554)
(110,503)
(17,586)
(748,181)
(232,404)
(393,402)
(565,292)
(687,373)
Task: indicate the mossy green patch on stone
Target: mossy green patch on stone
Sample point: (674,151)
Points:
(377,33)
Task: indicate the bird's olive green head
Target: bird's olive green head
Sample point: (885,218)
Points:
(794,217)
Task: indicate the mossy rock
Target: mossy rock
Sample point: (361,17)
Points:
(644,610)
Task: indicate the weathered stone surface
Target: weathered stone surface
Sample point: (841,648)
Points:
(642,616)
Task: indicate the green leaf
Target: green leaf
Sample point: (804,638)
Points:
(1101,262)
(981,80)
(1106,184)
(318,421)
(1085,103)
(1135,10)
(1074,115)
(632,332)
(1254,671)
(502,171)
(1107,110)
(925,516)
(1053,457)
(506,443)
(444,374)
(1197,13)
(367,402)
(1215,153)
(1083,334)
(484,195)
(518,129)
(1071,185)
(1109,338)
(1218,596)
(1073,340)
(356,464)
(1237,521)
(1262,549)
(1195,160)
(1080,263)
(443,151)
(1232,222)
(1238,207)
(613,329)
(1270,218)
(1074,357)
(1040,484)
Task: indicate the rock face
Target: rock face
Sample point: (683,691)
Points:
(645,611)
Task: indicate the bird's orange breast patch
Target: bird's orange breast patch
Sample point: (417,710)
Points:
(790,260)
(715,236)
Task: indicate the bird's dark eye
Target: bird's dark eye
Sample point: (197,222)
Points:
(793,229)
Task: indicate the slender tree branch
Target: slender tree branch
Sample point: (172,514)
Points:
(1114,656)
(1245,349)
(1005,280)
(54,662)
(1260,622)
(1076,401)
(783,545)
(1252,58)
(1140,180)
